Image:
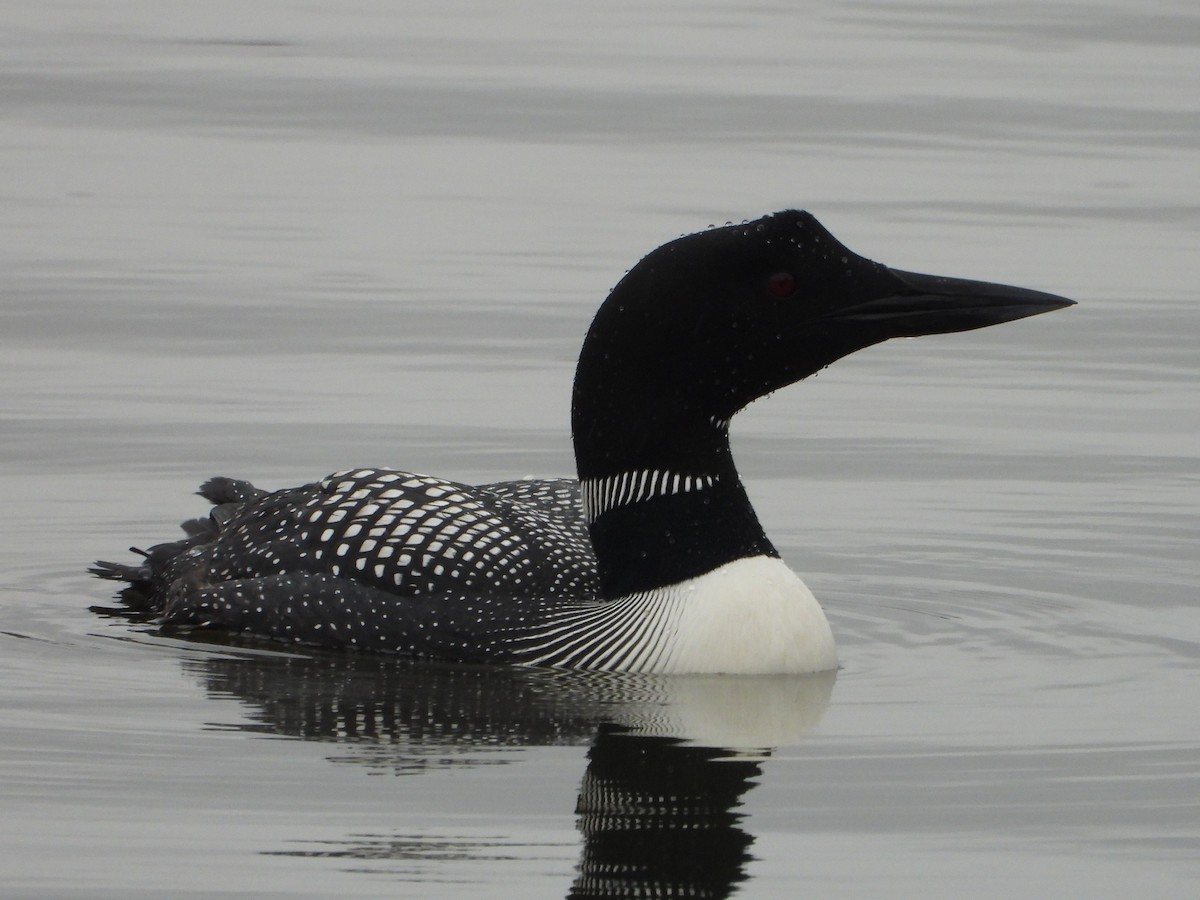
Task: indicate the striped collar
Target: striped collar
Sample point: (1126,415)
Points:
(609,492)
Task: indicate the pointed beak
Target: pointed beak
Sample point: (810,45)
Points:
(932,304)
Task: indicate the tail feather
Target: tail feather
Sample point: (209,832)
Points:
(118,572)
(222,490)
(205,528)
(164,563)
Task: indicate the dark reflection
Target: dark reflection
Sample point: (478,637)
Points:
(657,818)
(670,760)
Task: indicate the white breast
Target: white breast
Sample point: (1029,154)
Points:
(750,616)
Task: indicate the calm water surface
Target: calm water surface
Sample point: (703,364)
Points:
(272,241)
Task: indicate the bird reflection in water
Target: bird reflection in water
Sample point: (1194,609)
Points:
(657,817)
(670,760)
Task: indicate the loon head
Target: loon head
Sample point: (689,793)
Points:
(709,322)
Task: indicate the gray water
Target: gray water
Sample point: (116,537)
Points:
(272,240)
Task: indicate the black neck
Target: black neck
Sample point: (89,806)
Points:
(644,403)
(668,538)
(665,540)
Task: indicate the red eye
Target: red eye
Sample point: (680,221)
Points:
(781,284)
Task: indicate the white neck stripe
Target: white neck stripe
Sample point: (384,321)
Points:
(600,495)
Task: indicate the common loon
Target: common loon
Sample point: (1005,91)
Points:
(654,560)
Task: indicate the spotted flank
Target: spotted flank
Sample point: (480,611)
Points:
(344,561)
(699,626)
(654,561)
(413,534)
